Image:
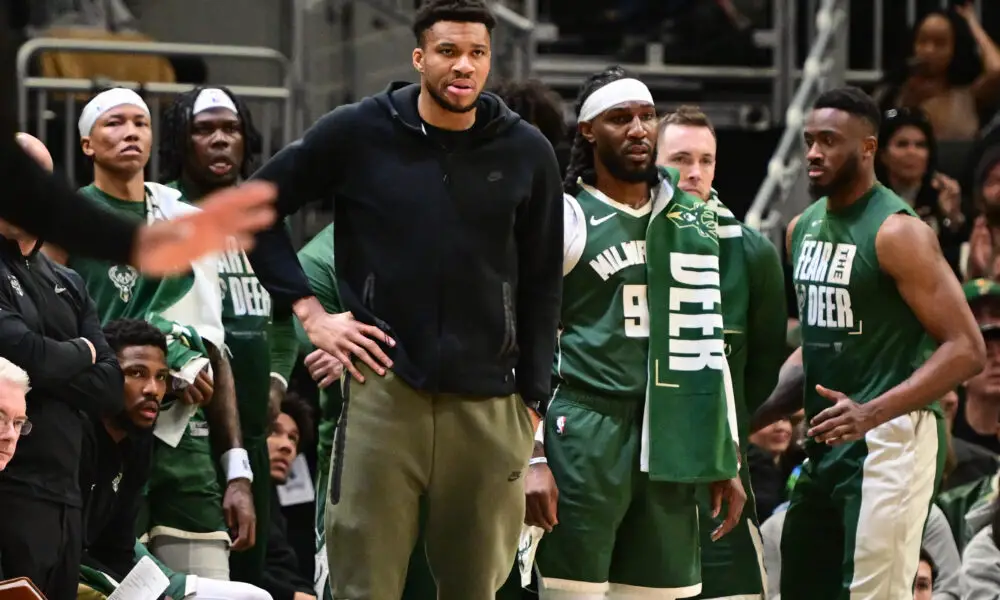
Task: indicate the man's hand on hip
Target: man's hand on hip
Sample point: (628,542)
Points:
(345,338)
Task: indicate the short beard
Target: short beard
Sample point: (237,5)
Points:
(619,167)
(448,106)
(842,179)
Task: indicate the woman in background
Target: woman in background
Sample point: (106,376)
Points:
(906,162)
(952,73)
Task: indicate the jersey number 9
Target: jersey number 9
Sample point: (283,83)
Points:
(636,311)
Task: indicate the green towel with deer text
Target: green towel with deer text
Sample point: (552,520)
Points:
(689,424)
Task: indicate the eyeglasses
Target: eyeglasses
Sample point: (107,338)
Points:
(21,426)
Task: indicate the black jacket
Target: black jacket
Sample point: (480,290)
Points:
(455,253)
(112,477)
(44,311)
(281,576)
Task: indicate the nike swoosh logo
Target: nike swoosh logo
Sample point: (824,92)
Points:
(60,289)
(595,221)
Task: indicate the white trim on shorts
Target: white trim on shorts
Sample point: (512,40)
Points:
(758,548)
(568,585)
(620,591)
(896,490)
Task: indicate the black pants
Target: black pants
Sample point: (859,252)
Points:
(42,541)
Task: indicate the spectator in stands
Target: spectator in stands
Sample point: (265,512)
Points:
(116,467)
(767,446)
(977,419)
(923,583)
(952,73)
(906,163)
(291,430)
(50,328)
(13,411)
(981,562)
(979,410)
(542,107)
(983,247)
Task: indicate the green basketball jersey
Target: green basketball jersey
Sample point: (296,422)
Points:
(604,343)
(118,290)
(859,336)
(246,316)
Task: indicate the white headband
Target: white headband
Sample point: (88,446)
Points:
(613,94)
(104,102)
(213,98)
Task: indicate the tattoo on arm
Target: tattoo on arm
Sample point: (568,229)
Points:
(221,412)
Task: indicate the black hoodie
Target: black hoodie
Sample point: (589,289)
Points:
(456,254)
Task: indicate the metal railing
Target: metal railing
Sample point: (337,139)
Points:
(785,169)
(154,92)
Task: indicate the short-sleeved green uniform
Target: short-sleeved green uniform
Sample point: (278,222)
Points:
(616,527)
(185,496)
(754,325)
(246,317)
(856,515)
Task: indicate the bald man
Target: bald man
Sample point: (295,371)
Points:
(34,148)
(49,329)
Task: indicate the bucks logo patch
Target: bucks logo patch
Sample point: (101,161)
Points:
(124,278)
(700,216)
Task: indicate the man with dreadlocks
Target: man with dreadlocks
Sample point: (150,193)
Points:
(190,516)
(208,143)
(644,409)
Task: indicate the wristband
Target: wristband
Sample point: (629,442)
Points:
(236,464)
(280,379)
(538,460)
(540,432)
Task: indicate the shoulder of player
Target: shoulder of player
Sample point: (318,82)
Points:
(904,237)
(756,243)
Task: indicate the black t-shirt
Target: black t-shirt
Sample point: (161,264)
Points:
(449,139)
(963,431)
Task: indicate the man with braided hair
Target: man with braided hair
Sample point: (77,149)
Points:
(643,411)
(208,143)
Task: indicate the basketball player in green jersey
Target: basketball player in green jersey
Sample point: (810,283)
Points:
(207,144)
(753,309)
(871,284)
(612,532)
(193,519)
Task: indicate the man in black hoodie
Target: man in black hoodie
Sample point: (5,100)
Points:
(448,246)
(49,328)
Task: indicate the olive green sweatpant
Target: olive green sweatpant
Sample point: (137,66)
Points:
(467,456)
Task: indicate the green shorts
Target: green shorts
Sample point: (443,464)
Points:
(856,515)
(733,566)
(184,494)
(617,529)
